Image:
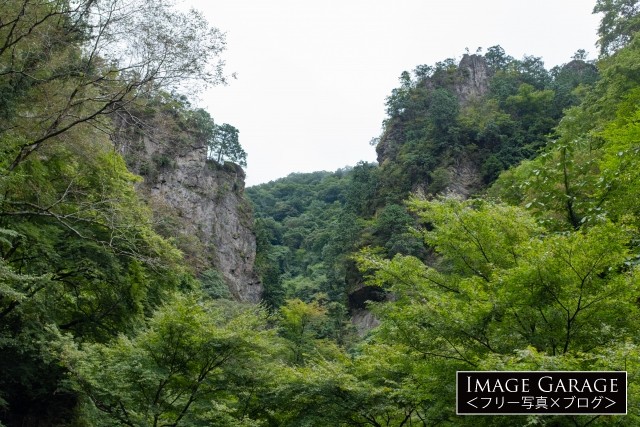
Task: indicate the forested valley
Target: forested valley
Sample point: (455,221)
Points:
(499,230)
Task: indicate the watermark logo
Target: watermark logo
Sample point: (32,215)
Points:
(539,392)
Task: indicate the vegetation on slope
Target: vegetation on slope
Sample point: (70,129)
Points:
(450,129)
(103,323)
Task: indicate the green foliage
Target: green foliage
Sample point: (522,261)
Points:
(60,64)
(213,285)
(102,324)
(300,234)
(497,58)
(621,20)
(586,173)
(433,125)
(79,257)
(270,261)
(550,285)
(443,113)
(571,81)
(223,144)
(392,228)
(83,195)
(362,192)
(188,366)
(503,287)
(475,237)
(300,324)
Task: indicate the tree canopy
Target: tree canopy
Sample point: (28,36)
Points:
(224,144)
(499,231)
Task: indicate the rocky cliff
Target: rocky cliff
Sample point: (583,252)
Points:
(422,138)
(472,78)
(196,202)
(418,153)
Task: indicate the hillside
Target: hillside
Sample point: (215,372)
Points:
(451,130)
(499,231)
(198,200)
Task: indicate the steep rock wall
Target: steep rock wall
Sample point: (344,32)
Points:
(472,78)
(198,203)
(468,82)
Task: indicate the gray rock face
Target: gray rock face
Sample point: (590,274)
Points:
(364,321)
(465,178)
(473,78)
(203,204)
(210,204)
(469,81)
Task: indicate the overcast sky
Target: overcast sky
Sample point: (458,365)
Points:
(313,75)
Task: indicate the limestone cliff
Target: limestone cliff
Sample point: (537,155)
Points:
(471,83)
(439,166)
(196,202)
(472,78)
(417,154)
(464,178)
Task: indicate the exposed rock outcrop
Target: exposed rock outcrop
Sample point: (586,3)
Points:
(451,172)
(473,78)
(363,320)
(468,81)
(198,203)
(465,178)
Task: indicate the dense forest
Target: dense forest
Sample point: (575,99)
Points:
(497,231)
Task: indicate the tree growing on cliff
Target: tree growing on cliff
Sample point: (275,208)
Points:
(224,144)
(79,259)
(69,64)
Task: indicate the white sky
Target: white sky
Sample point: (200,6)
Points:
(313,75)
